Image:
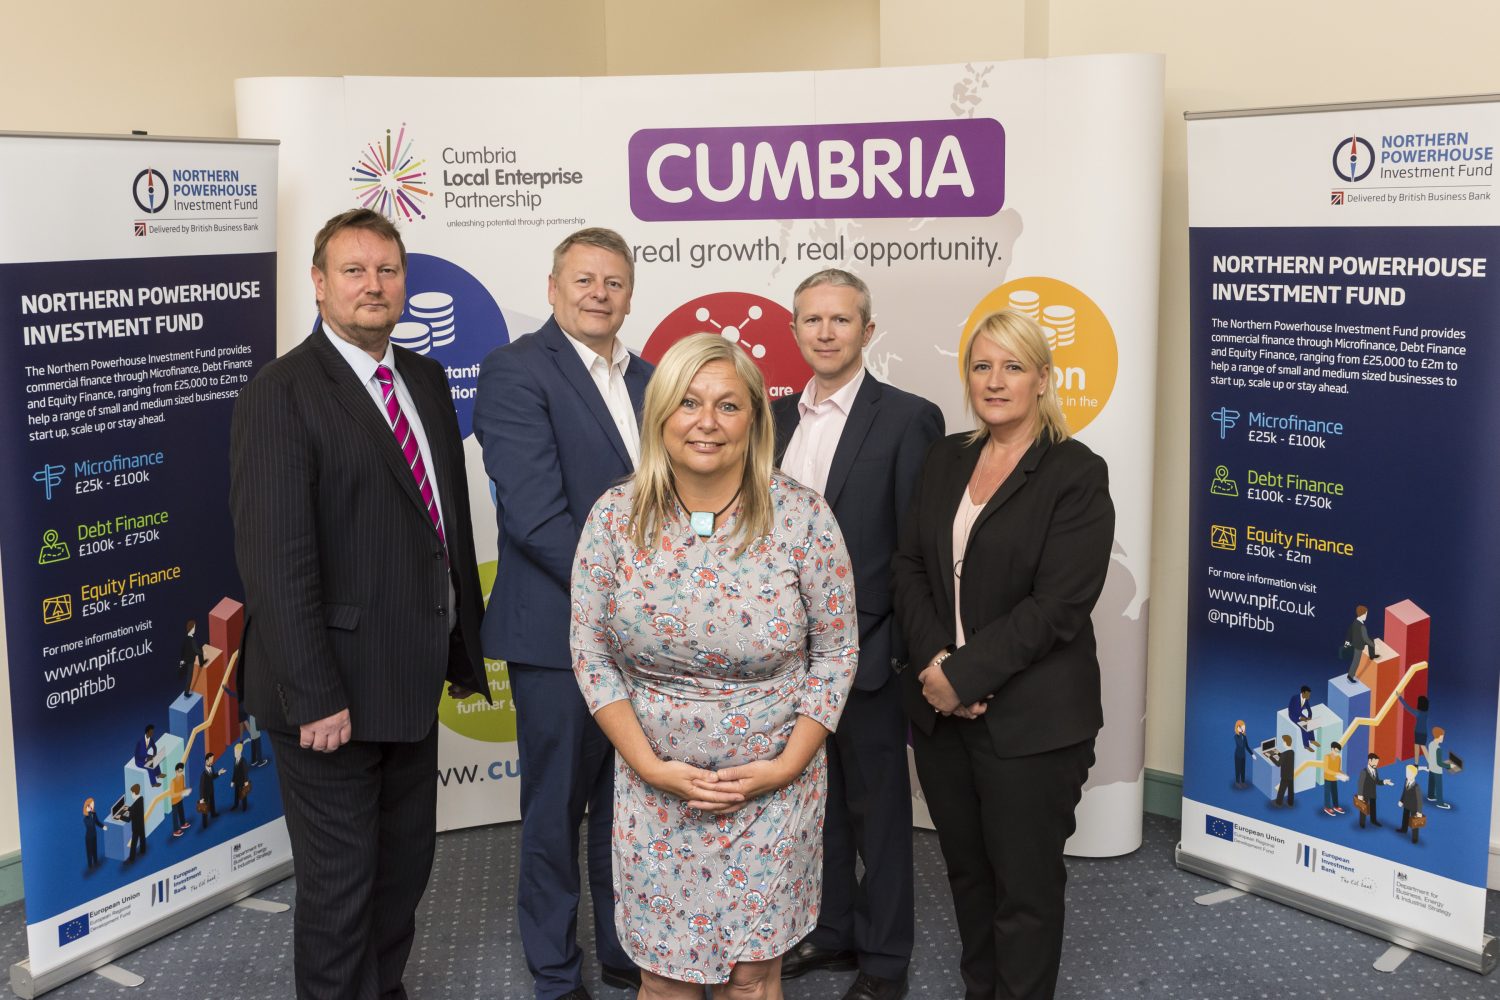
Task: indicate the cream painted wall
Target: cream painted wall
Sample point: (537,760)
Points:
(717,36)
(169,68)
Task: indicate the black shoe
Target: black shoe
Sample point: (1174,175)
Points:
(628,978)
(806,956)
(868,987)
(576,994)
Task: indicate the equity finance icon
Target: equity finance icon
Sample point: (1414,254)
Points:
(1222,536)
(57,609)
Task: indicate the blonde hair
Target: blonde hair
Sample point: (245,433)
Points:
(653,497)
(1022,336)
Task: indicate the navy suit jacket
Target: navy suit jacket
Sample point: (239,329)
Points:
(870,483)
(551,449)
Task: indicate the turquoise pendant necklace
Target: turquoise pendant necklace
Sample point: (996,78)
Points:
(702,521)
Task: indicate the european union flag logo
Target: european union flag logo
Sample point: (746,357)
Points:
(72,930)
(1216,827)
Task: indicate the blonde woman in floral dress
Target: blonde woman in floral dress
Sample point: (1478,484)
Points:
(715,639)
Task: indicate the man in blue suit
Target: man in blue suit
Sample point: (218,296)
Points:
(557,417)
(860,443)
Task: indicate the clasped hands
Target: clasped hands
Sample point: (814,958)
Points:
(722,791)
(940,694)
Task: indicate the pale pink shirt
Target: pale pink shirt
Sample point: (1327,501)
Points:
(963,524)
(609,377)
(810,452)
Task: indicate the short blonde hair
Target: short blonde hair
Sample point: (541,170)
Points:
(1022,336)
(654,498)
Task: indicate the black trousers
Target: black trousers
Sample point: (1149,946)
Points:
(869,815)
(1002,823)
(362,823)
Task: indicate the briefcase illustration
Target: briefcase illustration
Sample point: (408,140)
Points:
(1361,805)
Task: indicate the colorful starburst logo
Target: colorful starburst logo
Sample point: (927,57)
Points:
(390,180)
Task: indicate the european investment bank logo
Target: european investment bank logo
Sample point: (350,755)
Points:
(1353,159)
(151,190)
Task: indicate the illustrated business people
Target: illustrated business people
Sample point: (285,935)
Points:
(557,417)
(351,519)
(861,443)
(1369,786)
(1002,558)
(92,824)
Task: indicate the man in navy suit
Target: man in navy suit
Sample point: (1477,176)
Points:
(557,417)
(861,444)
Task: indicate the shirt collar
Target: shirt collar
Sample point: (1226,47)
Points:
(843,398)
(364,366)
(618,360)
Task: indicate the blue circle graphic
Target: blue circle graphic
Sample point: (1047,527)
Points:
(462,320)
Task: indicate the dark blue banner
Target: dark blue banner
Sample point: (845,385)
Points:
(122,608)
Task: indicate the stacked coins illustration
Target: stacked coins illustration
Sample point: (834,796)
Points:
(1060,323)
(435,309)
(412,336)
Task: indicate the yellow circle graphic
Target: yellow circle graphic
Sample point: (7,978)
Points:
(1085,357)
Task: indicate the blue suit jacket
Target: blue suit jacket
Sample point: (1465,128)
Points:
(551,449)
(870,484)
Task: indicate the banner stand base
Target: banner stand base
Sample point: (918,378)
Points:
(1482,961)
(28,986)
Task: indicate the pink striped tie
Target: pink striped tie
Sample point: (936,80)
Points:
(407,440)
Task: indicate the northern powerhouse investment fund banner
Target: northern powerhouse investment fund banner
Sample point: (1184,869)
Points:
(953,190)
(1345,289)
(137,294)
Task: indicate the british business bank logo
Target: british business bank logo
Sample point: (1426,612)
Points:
(1353,159)
(1218,826)
(151,190)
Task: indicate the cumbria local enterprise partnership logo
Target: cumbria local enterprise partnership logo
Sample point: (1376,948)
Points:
(872,170)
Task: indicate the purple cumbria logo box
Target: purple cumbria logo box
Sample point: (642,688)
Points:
(870,170)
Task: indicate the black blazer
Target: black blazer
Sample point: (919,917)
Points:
(1032,571)
(870,484)
(346,587)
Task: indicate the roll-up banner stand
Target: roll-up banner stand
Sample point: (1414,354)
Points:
(1341,685)
(952,190)
(137,295)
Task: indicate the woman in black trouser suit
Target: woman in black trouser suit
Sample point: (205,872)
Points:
(1013,525)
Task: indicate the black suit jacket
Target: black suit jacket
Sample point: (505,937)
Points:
(346,585)
(1032,571)
(870,483)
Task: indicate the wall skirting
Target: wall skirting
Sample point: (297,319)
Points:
(10,877)
(1163,793)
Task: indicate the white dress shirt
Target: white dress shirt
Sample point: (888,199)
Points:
(809,454)
(609,377)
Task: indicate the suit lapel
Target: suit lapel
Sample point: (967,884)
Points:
(1013,483)
(856,426)
(572,368)
(788,416)
(355,399)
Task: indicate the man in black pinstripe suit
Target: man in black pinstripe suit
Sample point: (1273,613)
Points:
(352,536)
